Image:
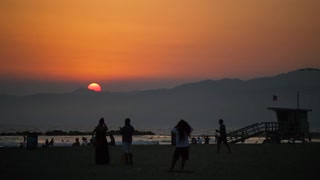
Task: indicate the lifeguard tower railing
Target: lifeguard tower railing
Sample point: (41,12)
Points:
(252,131)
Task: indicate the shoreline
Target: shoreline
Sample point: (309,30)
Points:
(315,135)
(14,141)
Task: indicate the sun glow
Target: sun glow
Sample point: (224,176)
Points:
(94,87)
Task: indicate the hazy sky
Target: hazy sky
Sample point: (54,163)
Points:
(55,46)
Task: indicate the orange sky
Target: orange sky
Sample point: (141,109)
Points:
(107,40)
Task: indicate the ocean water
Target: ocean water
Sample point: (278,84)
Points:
(162,137)
(14,141)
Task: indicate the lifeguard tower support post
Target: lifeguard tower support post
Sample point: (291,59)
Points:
(292,123)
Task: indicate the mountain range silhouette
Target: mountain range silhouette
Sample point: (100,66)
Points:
(238,102)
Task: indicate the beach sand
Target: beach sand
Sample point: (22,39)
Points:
(254,161)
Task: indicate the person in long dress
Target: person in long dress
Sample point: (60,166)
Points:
(102,150)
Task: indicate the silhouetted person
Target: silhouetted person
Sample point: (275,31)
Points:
(84,141)
(112,141)
(101,145)
(267,140)
(182,132)
(206,139)
(51,142)
(23,144)
(309,137)
(193,140)
(199,140)
(77,143)
(127,131)
(223,136)
(46,144)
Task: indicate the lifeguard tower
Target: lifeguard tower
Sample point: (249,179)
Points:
(291,125)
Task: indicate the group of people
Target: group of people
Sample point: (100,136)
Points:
(48,144)
(181,133)
(199,140)
(101,144)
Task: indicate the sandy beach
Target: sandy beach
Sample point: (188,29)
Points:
(255,161)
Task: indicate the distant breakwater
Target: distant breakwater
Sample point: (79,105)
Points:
(70,133)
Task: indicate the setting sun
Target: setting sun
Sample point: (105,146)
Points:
(94,87)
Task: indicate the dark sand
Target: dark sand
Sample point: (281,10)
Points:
(258,161)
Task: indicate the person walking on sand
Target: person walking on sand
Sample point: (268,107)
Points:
(101,145)
(182,132)
(223,136)
(127,131)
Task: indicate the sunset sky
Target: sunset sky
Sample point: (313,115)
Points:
(126,45)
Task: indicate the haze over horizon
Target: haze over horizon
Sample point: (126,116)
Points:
(28,87)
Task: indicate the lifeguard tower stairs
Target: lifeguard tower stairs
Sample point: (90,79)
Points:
(267,128)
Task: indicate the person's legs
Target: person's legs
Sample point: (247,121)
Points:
(228,147)
(125,150)
(226,143)
(130,153)
(173,163)
(175,158)
(184,157)
(130,159)
(183,162)
(218,143)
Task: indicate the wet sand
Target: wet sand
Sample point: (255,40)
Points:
(254,161)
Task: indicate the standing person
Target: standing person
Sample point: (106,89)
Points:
(51,142)
(46,144)
(102,150)
(206,139)
(223,136)
(127,131)
(199,140)
(182,132)
(77,143)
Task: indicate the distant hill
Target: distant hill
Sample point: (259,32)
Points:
(239,102)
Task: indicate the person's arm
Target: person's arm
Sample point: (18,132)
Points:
(106,127)
(94,131)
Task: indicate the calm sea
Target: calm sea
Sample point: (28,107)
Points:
(162,137)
